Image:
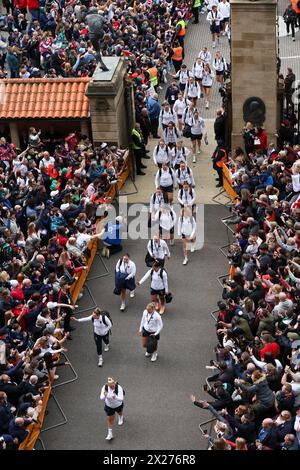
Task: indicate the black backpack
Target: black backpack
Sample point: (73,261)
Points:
(190,191)
(160,273)
(105,313)
(159,215)
(170,171)
(116,388)
(187,169)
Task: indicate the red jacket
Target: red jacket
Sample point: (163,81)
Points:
(21,4)
(263,140)
(32,4)
(272,348)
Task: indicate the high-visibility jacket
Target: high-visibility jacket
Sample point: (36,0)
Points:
(196,4)
(182,31)
(295,4)
(153,76)
(136,146)
(177,56)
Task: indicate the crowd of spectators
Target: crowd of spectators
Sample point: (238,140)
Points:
(255,389)
(48,202)
(51,38)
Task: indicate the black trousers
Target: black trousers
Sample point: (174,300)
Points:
(98,340)
(177,64)
(292,25)
(138,155)
(196,14)
(154,126)
(219,170)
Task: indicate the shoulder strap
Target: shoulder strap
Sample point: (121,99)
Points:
(161,272)
(181,192)
(151,244)
(159,172)
(188,170)
(103,319)
(170,171)
(191,192)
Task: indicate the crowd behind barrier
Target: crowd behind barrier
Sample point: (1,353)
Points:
(50,193)
(51,39)
(254,392)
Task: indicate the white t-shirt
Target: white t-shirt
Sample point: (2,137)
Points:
(82,240)
(224,9)
(179,107)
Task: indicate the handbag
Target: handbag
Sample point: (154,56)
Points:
(169,298)
(149,260)
(151,344)
(186,131)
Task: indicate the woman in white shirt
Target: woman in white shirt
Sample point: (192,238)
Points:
(178,108)
(197,71)
(171,135)
(220,66)
(207,83)
(184,174)
(166,218)
(179,154)
(102,326)
(205,55)
(187,231)
(113,395)
(192,90)
(165,179)
(157,250)
(159,285)
(151,325)
(186,196)
(197,132)
(157,200)
(182,75)
(166,116)
(161,154)
(125,278)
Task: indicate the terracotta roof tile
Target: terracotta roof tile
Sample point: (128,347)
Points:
(44,98)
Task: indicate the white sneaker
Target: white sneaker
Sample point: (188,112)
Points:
(172,242)
(120,420)
(214,45)
(122,308)
(100,362)
(199,151)
(154,357)
(106,347)
(194,158)
(207,105)
(109,436)
(192,247)
(147,354)
(185,261)
(132,294)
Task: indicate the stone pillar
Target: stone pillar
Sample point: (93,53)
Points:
(111,120)
(254,64)
(84,127)
(14,133)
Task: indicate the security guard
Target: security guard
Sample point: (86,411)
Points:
(195,10)
(153,76)
(138,148)
(180,30)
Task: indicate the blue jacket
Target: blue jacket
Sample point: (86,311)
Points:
(112,233)
(153,107)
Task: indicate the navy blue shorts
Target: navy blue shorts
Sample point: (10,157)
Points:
(146,333)
(111,411)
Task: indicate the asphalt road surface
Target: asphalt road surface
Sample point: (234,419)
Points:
(158,412)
